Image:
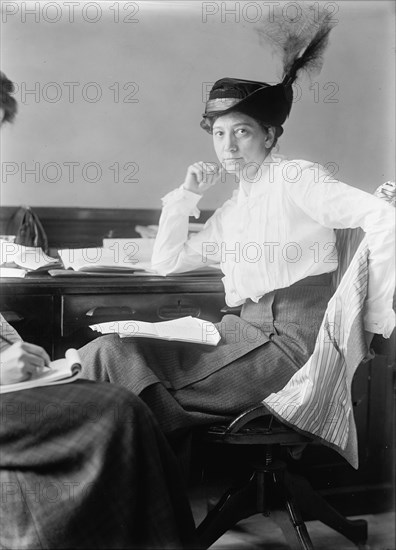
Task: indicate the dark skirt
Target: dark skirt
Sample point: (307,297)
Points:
(188,384)
(85,465)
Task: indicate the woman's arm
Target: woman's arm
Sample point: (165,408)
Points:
(174,251)
(337,205)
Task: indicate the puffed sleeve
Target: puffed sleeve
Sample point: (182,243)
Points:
(337,205)
(174,251)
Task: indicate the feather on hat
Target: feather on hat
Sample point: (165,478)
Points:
(302,47)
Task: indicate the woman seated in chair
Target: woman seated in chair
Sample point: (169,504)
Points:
(274,240)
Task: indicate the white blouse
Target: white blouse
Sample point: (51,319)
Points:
(279,229)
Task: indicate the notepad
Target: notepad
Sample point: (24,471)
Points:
(185,329)
(62,371)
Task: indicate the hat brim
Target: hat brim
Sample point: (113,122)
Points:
(270,105)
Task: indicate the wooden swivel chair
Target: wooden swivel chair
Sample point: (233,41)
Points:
(271,489)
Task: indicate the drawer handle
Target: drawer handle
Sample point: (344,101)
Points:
(235,310)
(175,312)
(100,311)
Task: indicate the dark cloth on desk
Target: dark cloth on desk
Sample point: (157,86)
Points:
(85,465)
(187,385)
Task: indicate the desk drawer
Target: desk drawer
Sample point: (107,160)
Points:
(81,311)
(31,316)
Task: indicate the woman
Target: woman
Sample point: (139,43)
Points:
(275,242)
(83,465)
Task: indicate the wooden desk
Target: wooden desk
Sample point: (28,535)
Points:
(56,312)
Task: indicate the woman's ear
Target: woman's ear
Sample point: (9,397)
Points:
(269,140)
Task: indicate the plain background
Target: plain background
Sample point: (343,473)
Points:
(166,55)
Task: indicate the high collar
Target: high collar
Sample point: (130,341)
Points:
(264,178)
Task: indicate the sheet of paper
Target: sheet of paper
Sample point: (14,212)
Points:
(6,272)
(185,329)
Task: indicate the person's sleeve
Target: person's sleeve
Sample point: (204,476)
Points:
(337,205)
(7,332)
(174,251)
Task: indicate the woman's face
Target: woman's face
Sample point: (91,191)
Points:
(241,143)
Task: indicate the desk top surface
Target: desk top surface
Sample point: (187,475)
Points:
(42,283)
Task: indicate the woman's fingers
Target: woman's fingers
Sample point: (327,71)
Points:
(207,173)
(36,355)
(21,361)
(202,175)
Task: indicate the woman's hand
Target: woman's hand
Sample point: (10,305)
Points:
(201,176)
(21,361)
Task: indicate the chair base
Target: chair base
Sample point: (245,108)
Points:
(287,499)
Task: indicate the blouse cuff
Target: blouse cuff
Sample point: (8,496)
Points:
(232,296)
(381,323)
(187,200)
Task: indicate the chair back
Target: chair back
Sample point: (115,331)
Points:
(347,243)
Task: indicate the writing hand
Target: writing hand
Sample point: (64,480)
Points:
(22,361)
(201,176)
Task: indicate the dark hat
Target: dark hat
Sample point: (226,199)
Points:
(270,104)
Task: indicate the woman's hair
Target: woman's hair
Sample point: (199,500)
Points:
(278,130)
(7,102)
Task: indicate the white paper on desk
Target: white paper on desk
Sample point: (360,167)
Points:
(185,329)
(100,258)
(31,258)
(6,272)
(137,250)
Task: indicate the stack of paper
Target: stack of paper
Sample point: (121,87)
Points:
(27,258)
(101,260)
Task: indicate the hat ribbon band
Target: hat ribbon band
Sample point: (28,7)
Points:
(221,104)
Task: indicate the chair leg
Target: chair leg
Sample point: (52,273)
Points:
(234,505)
(267,493)
(286,514)
(315,506)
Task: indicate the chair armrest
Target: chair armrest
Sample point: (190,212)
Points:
(247,416)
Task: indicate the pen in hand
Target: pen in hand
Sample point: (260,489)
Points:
(32,355)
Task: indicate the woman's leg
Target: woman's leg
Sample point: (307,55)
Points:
(85,465)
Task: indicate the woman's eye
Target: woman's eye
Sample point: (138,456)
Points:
(242,131)
(218,133)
